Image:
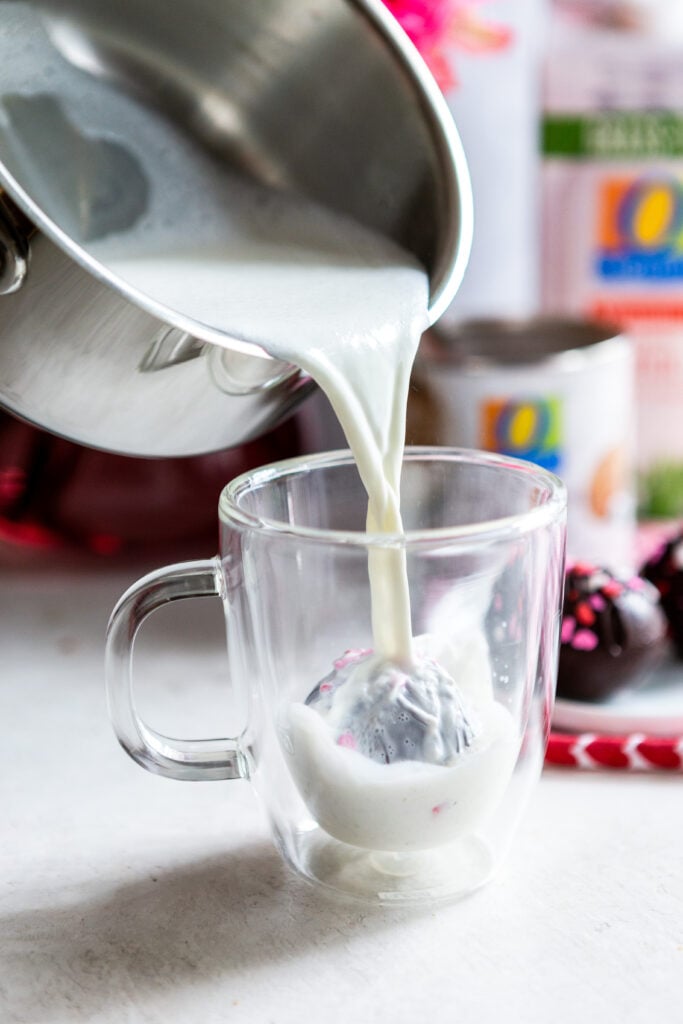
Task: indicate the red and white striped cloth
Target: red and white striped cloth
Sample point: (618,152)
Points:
(633,752)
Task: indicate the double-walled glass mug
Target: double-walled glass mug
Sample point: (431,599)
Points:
(483,554)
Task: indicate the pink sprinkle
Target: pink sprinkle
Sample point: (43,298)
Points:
(636,583)
(585,614)
(324,687)
(612,589)
(348,657)
(347,740)
(439,807)
(597,601)
(584,640)
(568,627)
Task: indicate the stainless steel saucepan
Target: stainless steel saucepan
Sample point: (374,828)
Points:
(121,120)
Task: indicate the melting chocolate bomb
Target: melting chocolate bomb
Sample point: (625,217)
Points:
(613,633)
(391,715)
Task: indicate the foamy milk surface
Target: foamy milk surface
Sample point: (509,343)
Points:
(348,307)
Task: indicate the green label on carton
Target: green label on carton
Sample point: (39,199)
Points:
(614,135)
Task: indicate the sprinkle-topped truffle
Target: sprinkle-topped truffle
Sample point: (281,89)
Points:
(665,570)
(613,632)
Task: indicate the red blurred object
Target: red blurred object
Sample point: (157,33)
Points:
(634,752)
(55,494)
(438,27)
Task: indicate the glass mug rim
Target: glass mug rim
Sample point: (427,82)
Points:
(487,530)
(319,840)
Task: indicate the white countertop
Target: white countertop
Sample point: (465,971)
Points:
(129,898)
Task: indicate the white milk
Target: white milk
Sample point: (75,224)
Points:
(405,806)
(349,308)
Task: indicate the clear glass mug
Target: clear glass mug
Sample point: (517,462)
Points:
(483,549)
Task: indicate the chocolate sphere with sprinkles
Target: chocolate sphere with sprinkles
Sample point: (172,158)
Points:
(613,633)
(665,570)
(391,714)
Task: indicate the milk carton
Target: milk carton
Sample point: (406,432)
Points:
(612,185)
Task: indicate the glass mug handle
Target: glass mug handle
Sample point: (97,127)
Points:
(174,758)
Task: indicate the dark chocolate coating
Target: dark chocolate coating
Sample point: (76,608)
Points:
(613,633)
(397,716)
(665,570)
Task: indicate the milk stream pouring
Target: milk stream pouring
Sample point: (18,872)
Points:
(121,123)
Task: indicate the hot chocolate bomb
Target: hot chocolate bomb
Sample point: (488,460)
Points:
(391,715)
(665,570)
(613,633)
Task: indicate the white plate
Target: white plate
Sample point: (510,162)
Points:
(655,708)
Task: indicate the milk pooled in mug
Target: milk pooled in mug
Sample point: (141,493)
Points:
(349,308)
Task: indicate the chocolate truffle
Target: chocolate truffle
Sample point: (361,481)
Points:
(665,569)
(613,633)
(389,714)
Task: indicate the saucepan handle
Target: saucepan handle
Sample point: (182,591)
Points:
(175,758)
